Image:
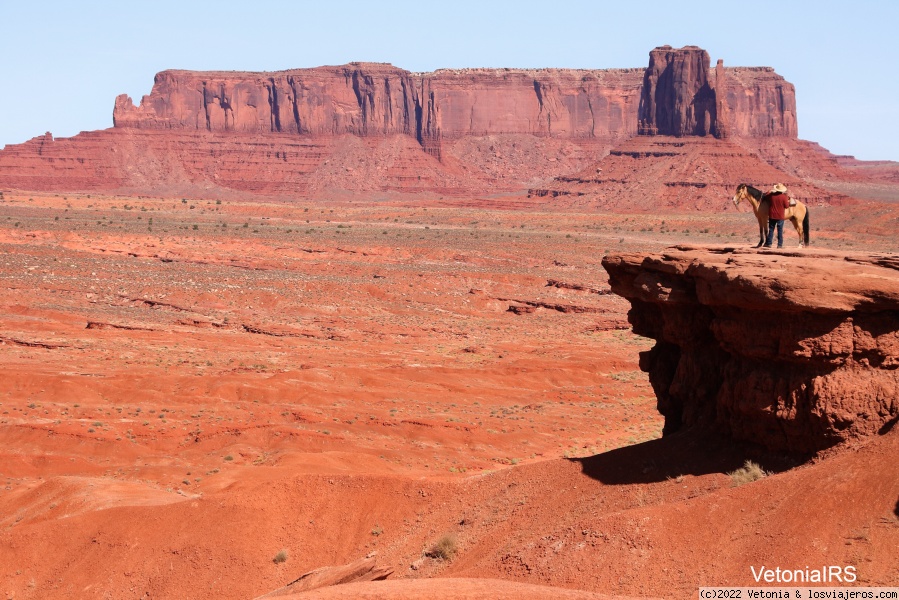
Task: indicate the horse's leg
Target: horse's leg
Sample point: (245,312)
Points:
(762,215)
(806,228)
(798,225)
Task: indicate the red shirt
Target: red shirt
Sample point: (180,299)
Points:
(779,202)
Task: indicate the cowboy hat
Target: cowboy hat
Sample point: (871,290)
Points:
(778,188)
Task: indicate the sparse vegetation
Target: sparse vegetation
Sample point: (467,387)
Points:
(280,557)
(748,473)
(444,549)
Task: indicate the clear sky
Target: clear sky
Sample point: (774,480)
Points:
(63,63)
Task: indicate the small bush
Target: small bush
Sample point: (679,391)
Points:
(280,557)
(445,548)
(748,473)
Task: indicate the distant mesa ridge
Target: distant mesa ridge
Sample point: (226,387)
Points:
(366,127)
(677,94)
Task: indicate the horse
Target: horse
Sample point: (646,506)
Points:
(798,215)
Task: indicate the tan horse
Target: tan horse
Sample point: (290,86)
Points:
(798,215)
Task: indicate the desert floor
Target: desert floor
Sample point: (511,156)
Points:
(189,388)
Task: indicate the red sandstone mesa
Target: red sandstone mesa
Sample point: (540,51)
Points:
(368,99)
(366,126)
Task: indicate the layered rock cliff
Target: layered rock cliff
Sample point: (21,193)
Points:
(683,96)
(376,126)
(360,99)
(366,99)
(759,103)
(796,351)
(678,94)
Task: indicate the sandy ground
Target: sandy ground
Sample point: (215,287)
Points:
(190,387)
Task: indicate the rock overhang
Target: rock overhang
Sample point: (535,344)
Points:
(797,351)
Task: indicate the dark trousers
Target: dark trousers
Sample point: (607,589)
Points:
(779,224)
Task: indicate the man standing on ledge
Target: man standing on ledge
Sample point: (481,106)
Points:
(779,202)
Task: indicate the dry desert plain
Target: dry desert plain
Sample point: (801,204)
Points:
(208,399)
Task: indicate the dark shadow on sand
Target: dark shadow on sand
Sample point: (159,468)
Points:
(682,453)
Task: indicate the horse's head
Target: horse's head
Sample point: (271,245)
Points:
(741,193)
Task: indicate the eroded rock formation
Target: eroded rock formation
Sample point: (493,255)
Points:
(369,99)
(646,173)
(678,96)
(796,351)
(364,569)
(375,126)
(360,98)
(682,96)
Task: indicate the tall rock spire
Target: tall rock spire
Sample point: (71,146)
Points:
(679,94)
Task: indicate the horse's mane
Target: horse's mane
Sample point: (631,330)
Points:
(754,192)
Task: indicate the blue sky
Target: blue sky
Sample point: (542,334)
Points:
(63,63)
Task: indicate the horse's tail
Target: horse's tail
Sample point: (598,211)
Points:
(805,231)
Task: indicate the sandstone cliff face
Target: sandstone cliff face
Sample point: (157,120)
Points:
(561,103)
(381,100)
(683,96)
(678,94)
(794,351)
(760,103)
(359,98)
(284,133)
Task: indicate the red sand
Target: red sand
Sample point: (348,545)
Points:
(188,388)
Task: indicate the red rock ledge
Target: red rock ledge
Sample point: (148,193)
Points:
(798,351)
